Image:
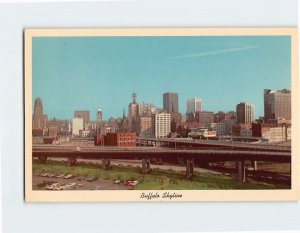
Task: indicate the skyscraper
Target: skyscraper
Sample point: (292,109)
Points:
(161,124)
(133,113)
(245,113)
(39,119)
(77,125)
(144,126)
(38,107)
(146,109)
(204,118)
(85,115)
(277,104)
(193,105)
(170,102)
(99,115)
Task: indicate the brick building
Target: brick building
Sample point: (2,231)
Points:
(241,130)
(120,139)
(273,132)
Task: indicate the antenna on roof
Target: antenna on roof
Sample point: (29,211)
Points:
(134,95)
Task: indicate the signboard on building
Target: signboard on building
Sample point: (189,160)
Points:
(210,134)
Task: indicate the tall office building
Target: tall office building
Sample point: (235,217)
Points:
(245,113)
(170,102)
(277,104)
(99,115)
(193,105)
(219,116)
(146,109)
(77,126)
(39,119)
(161,125)
(85,115)
(219,127)
(144,126)
(133,113)
(204,118)
(230,115)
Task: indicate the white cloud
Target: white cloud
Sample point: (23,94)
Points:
(211,53)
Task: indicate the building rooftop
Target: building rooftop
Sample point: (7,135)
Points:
(269,91)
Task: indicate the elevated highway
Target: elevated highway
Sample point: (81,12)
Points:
(195,143)
(168,154)
(189,157)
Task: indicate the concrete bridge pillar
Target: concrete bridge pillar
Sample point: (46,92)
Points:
(72,161)
(43,159)
(254,164)
(189,172)
(241,171)
(106,164)
(146,165)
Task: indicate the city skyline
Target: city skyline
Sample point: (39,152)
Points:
(78,73)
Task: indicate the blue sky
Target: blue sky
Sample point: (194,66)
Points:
(82,73)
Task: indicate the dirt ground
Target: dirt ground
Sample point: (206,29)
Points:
(75,183)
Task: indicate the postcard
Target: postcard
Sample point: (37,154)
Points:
(161,114)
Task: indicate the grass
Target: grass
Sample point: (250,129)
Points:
(274,167)
(155,180)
